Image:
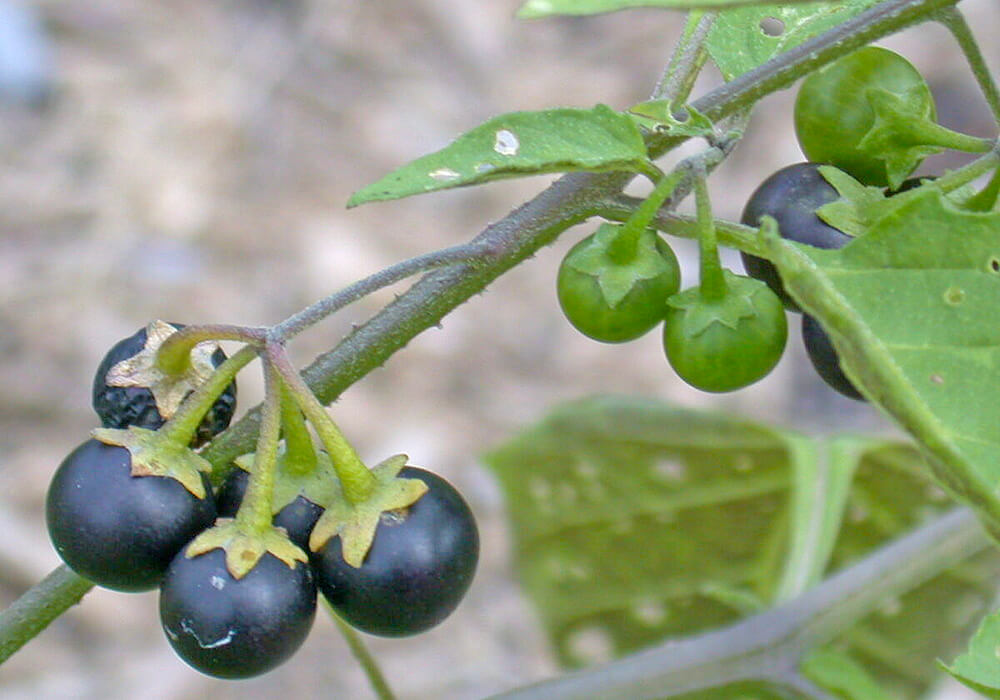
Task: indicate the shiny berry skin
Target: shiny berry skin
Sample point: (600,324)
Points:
(720,357)
(791,195)
(120,407)
(297,518)
(833,112)
(824,358)
(583,303)
(117,530)
(419,567)
(236,628)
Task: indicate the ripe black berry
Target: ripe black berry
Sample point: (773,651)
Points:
(792,195)
(297,518)
(236,628)
(824,358)
(419,566)
(122,406)
(118,530)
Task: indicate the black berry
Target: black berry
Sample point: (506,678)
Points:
(120,407)
(236,628)
(118,530)
(419,566)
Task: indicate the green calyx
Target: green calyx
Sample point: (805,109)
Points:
(318,485)
(617,279)
(741,300)
(355,523)
(904,132)
(155,453)
(169,389)
(245,545)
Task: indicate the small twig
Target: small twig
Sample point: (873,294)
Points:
(371,668)
(954,22)
(465,253)
(27,616)
(687,60)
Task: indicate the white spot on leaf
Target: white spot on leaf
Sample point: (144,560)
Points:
(483,168)
(218,582)
(649,612)
(669,470)
(591,645)
(443,174)
(506,143)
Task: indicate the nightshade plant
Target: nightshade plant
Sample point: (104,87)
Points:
(708,556)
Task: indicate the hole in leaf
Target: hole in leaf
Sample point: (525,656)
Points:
(994,264)
(772,26)
(953,296)
(591,645)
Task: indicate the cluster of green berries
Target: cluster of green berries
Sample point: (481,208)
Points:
(871,115)
(124,516)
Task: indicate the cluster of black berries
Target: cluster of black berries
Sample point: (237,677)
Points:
(129,532)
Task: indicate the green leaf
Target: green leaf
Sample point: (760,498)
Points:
(838,672)
(979,666)
(859,206)
(519,144)
(911,308)
(658,115)
(737,43)
(636,521)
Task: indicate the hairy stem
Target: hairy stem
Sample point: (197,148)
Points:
(27,616)
(687,60)
(255,510)
(371,668)
(955,22)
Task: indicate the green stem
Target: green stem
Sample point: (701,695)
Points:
(951,181)
(27,616)
(182,427)
(986,198)
(928,133)
(713,283)
(470,253)
(687,60)
(955,22)
(356,479)
(300,454)
(361,653)
(622,250)
(174,355)
(821,486)
(255,513)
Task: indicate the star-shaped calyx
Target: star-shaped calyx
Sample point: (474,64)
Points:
(168,390)
(244,547)
(616,279)
(899,135)
(355,523)
(736,304)
(319,485)
(154,453)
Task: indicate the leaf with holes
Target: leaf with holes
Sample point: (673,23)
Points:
(636,521)
(979,666)
(519,144)
(911,308)
(744,38)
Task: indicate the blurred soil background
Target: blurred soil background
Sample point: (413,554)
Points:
(190,161)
